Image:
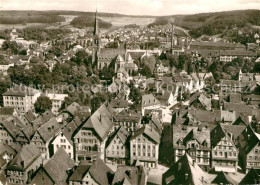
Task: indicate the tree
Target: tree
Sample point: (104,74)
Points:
(10,46)
(42,104)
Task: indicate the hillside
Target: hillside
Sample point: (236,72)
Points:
(88,21)
(23,17)
(219,22)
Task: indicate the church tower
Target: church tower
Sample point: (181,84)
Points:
(95,45)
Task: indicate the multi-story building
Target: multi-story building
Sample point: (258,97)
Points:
(144,146)
(130,120)
(24,164)
(228,56)
(44,135)
(90,139)
(10,129)
(192,140)
(64,138)
(21,97)
(224,152)
(249,149)
(149,102)
(116,146)
(57,100)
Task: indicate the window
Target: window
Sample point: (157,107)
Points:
(256,151)
(216,153)
(220,153)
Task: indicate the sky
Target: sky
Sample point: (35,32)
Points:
(133,7)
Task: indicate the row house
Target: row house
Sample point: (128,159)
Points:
(224,152)
(43,136)
(90,139)
(249,149)
(128,119)
(64,138)
(194,141)
(116,146)
(25,163)
(21,97)
(144,147)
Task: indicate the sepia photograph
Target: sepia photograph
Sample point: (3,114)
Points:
(129,92)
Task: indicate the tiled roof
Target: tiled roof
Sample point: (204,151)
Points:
(185,172)
(24,158)
(149,100)
(224,178)
(128,115)
(110,53)
(252,177)
(71,128)
(217,134)
(6,111)
(186,133)
(101,120)
(49,129)
(21,90)
(98,170)
(58,165)
(248,139)
(121,132)
(133,175)
(148,131)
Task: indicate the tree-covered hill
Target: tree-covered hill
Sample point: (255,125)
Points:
(88,21)
(23,17)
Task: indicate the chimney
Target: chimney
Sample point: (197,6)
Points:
(250,119)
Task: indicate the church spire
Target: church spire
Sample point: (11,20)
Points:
(96,24)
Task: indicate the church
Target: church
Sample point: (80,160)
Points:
(105,57)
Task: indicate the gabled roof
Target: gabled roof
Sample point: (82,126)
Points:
(21,90)
(224,178)
(6,111)
(248,139)
(58,165)
(13,126)
(252,177)
(71,128)
(24,158)
(48,130)
(149,100)
(132,175)
(149,132)
(43,118)
(184,171)
(98,170)
(101,120)
(29,116)
(121,133)
(5,148)
(128,115)
(187,133)
(217,134)
(116,103)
